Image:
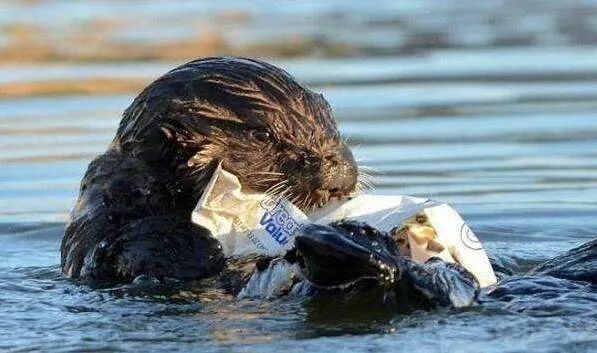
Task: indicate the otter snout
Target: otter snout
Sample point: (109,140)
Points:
(339,173)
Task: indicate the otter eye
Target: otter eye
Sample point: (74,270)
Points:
(260,135)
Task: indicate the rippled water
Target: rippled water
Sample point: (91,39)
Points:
(492,108)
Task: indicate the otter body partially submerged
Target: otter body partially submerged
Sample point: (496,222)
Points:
(132,220)
(133,215)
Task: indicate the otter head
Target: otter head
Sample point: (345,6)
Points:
(275,135)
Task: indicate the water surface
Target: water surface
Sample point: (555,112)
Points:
(491,107)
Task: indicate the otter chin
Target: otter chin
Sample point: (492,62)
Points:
(133,213)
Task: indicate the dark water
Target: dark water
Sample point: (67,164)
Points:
(489,106)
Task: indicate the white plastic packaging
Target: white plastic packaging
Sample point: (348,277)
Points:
(252,223)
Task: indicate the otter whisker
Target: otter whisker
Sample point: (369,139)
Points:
(280,190)
(276,188)
(345,138)
(365,179)
(309,203)
(367,170)
(364,185)
(301,201)
(278,193)
(365,176)
(266,173)
(272,190)
(265,179)
(286,194)
(295,200)
(292,197)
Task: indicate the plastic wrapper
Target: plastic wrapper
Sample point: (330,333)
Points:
(254,223)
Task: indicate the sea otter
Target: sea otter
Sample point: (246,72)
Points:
(133,213)
(132,219)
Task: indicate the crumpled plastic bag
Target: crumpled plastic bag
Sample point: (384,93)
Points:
(255,223)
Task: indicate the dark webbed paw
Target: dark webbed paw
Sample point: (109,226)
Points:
(444,283)
(160,247)
(346,252)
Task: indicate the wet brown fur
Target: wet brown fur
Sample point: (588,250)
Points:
(133,212)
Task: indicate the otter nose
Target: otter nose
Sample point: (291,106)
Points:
(341,176)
